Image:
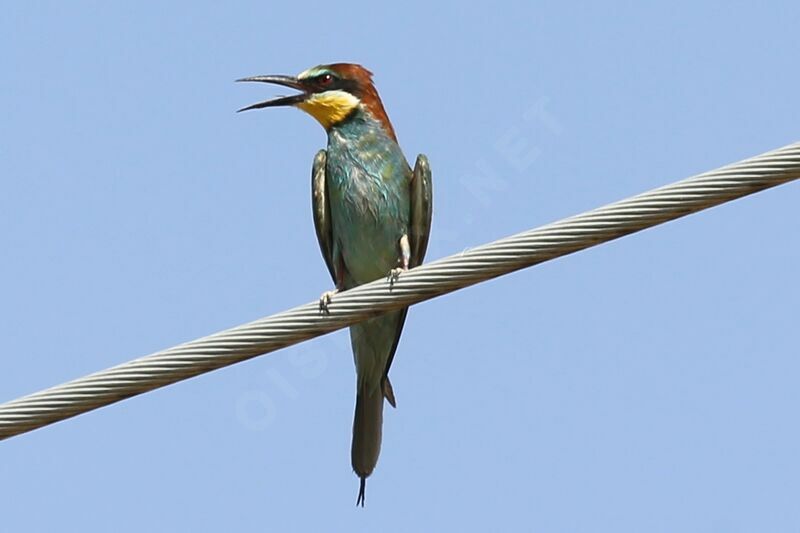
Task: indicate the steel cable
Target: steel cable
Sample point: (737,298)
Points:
(427,281)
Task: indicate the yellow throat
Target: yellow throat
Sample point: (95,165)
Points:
(329,107)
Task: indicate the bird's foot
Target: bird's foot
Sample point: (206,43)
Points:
(394,275)
(325,300)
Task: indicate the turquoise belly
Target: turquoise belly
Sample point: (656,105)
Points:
(367,229)
(368,180)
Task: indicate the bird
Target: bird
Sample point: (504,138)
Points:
(372,216)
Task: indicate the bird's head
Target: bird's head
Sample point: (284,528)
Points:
(329,93)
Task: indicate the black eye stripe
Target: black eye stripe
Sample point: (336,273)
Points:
(320,83)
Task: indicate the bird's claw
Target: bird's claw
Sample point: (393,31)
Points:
(394,275)
(325,300)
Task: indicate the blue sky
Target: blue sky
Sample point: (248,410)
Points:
(649,384)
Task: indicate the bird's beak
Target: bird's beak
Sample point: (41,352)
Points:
(286,81)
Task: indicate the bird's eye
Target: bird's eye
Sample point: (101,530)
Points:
(325,79)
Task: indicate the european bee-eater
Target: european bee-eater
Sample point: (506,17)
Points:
(372,215)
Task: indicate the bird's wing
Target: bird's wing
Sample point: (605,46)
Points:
(321,208)
(420,230)
(421,210)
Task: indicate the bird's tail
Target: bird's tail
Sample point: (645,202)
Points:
(367,426)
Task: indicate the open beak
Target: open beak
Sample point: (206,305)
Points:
(286,81)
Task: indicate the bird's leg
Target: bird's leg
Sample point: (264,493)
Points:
(405,258)
(327,296)
(325,300)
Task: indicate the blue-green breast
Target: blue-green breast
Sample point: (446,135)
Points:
(368,191)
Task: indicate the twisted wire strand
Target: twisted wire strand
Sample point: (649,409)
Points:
(425,282)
